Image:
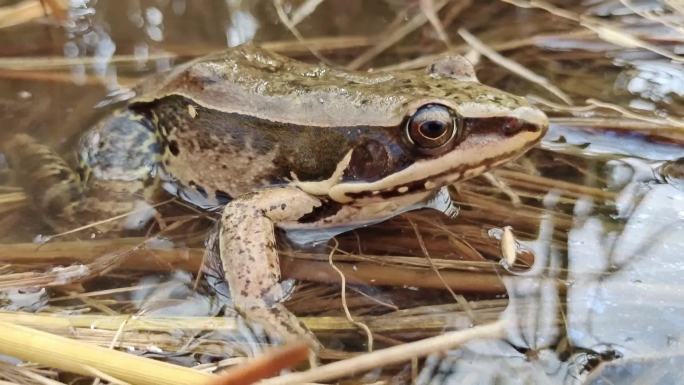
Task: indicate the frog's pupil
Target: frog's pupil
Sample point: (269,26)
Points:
(433,129)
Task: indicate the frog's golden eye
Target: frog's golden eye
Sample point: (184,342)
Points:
(432,127)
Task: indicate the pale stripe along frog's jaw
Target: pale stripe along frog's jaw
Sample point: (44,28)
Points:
(487,144)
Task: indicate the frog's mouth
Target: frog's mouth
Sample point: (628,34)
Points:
(487,143)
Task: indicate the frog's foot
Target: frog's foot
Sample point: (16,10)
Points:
(61,196)
(277,321)
(250,259)
(45,176)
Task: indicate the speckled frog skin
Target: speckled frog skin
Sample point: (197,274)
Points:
(268,141)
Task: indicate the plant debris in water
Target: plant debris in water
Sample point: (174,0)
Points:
(558,258)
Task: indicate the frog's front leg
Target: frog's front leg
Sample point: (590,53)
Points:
(250,259)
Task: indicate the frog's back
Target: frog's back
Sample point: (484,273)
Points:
(255,82)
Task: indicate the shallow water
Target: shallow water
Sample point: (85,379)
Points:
(603,220)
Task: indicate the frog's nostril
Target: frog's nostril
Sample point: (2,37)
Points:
(512,126)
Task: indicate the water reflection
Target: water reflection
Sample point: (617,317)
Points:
(242,26)
(86,38)
(615,294)
(653,80)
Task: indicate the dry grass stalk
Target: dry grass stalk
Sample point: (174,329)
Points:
(542,184)
(606,31)
(304,10)
(12,201)
(22,12)
(428,8)
(74,356)
(512,66)
(556,11)
(666,122)
(676,25)
(343,296)
(651,130)
(618,36)
(58,275)
(61,77)
(458,298)
(374,274)
(56,8)
(292,27)
(51,63)
(627,119)
(27,374)
(34,63)
(424,60)
(128,254)
(425,318)
(12,198)
(393,36)
(392,355)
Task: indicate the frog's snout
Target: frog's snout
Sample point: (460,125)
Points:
(527,119)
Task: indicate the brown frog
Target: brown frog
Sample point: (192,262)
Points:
(272,142)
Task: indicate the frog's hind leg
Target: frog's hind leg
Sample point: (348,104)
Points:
(250,259)
(66,198)
(44,175)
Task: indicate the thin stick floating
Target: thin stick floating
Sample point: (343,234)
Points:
(389,356)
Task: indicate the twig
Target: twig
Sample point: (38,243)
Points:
(374,274)
(512,66)
(650,16)
(304,10)
(343,295)
(20,13)
(102,375)
(49,238)
(459,299)
(56,8)
(292,27)
(667,121)
(428,8)
(402,322)
(392,355)
(266,365)
(393,37)
(605,31)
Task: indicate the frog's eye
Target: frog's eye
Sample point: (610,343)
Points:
(432,127)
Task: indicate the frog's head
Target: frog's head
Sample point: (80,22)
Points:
(448,128)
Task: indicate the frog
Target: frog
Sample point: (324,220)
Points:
(268,142)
